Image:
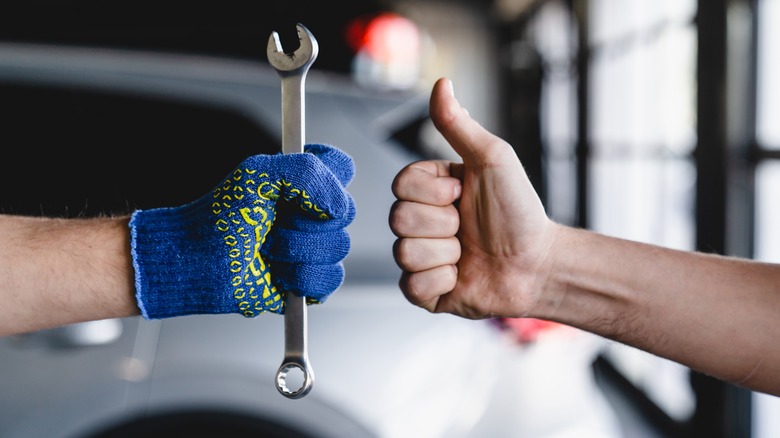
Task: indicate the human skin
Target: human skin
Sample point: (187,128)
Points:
(475,241)
(56,271)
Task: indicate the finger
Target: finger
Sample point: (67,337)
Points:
(308,280)
(424,288)
(412,219)
(294,246)
(427,182)
(467,137)
(312,185)
(336,160)
(290,216)
(415,255)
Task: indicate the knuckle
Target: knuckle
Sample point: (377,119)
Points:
(410,287)
(405,255)
(399,184)
(399,218)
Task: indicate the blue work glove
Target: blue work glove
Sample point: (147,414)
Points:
(305,251)
(276,224)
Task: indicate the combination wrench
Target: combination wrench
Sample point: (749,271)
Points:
(292,68)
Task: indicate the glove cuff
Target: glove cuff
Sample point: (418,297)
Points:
(175,270)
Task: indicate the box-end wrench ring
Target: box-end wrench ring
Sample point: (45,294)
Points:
(292,68)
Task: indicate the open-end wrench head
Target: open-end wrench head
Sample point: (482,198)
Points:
(297,61)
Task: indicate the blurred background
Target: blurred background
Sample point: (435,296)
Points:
(652,120)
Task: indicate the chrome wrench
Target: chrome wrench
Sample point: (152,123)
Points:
(292,68)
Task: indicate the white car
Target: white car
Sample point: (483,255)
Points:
(102,131)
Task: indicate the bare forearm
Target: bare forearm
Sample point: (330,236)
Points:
(60,271)
(716,314)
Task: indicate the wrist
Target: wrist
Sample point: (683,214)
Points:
(586,286)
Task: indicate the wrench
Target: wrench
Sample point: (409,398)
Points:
(292,68)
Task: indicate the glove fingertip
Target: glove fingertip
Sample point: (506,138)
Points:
(325,194)
(316,282)
(337,161)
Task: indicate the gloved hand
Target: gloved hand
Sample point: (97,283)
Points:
(276,224)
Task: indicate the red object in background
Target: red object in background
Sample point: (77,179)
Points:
(384,37)
(525,330)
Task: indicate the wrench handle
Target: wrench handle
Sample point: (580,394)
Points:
(296,357)
(293,113)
